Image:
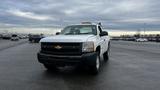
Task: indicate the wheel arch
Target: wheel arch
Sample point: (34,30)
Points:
(98,49)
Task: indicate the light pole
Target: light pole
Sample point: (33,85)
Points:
(144,29)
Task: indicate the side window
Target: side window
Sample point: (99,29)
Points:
(100,30)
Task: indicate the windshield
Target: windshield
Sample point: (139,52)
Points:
(14,35)
(79,30)
(35,35)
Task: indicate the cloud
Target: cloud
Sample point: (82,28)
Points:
(141,20)
(131,5)
(115,14)
(29,15)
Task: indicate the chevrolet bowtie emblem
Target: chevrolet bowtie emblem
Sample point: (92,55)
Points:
(58,47)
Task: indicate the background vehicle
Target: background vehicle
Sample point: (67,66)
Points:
(0,36)
(22,36)
(35,38)
(81,44)
(141,40)
(14,37)
(6,36)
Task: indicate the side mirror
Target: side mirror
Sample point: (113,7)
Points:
(57,33)
(104,33)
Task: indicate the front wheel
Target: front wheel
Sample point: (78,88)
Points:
(94,69)
(50,67)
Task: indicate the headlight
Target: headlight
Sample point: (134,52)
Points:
(43,46)
(88,47)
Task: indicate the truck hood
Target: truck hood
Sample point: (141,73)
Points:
(67,38)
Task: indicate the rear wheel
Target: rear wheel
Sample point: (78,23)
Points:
(94,69)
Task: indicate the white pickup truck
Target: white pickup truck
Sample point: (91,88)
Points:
(81,44)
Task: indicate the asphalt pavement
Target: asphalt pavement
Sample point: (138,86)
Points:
(132,66)
(5,44)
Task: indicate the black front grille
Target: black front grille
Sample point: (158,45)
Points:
(61,48)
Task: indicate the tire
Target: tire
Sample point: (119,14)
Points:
(94,69)
(106,54)
(50,67)
(33,41)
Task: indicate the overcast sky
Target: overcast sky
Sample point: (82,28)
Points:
(114,14)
